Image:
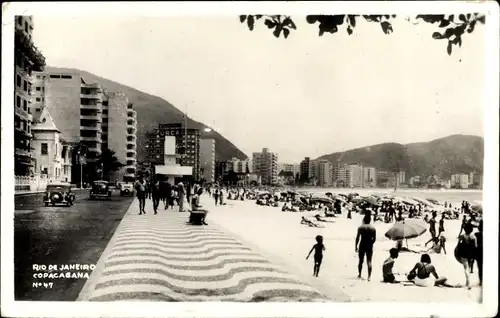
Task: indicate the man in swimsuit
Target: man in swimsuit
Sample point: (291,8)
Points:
(387,273)
(366,238)
(432,228)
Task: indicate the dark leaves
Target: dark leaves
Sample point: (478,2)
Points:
(270,24)
(289,23)
(471,26)
(462,18)
(352,20)
(250,22)
(437,36)
(243,18)
(286,32)
(349,30)
(386,27)
(449,48)
(277,31)
(327,23)
(444,23)
(481,19)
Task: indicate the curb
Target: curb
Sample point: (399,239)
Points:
(89,285)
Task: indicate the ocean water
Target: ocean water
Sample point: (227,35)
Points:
(452,195)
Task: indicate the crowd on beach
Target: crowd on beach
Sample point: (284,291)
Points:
(373,208)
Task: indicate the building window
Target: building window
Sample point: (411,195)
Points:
(66,76)
(20,20)
(18,80)
(25,104)
(38,88)
(45,149)
(26,28)
(38,77)
(18,101)
(25,86)
(38,99)
(55,76)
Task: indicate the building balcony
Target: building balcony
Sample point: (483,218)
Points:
(96,96)
(131,126)
(22,152)
(94,138)
(130,168)
(131,151)
(24,74)
(96,117)
(92,107)
(130,175)
(92,128)
(132,142)
(22,133)
(23,113)
(131,159)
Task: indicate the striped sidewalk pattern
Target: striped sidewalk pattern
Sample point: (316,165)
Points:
(162,258)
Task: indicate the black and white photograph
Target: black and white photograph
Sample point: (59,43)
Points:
(265,159)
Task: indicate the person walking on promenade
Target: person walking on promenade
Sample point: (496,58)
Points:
(164,193)
(182,194)
(188,193)
(365,238)
(155,194)
(318,249)
(140,189)
(221,197)
(479,252)
(216,196)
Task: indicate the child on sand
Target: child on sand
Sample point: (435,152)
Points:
(318,254)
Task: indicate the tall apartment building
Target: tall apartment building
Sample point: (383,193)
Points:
(189,146)
(313,169)
(240,166)
(265,165)
(75,106)
(460,181)
(369,177)
(386,179)
(119,133)
(305,166)
(356,173)
(325,168)
(289,167)
(207,159)
(27,59)
(341,175)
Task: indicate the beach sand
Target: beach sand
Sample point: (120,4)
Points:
(280,236)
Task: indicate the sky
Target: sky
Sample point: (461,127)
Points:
(302,96)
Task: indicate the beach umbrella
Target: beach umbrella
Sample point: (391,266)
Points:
(406,230)
(370,200)
(356,200)
(328,194)
(478,208)
(433,201)
(322,200)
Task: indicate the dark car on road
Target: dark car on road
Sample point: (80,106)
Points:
(59,193)
(100,189)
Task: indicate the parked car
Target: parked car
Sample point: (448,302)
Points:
(100,189)
(59,193)
(127,189)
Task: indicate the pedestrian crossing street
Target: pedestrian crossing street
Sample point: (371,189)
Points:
(162,258)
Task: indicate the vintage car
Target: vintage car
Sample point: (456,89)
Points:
(127,189)
(100,189)
(59,193)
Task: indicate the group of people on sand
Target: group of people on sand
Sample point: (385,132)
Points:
(469,249)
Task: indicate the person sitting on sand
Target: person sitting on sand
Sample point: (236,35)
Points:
(318,248)
(422,271)
(284,208)
(320,219)
(388,276)
(438,245)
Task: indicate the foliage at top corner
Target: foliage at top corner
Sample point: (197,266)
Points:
(450,27)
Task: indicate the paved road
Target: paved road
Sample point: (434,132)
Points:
(161,258)
(61,235)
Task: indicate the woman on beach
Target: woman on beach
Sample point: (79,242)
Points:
(432,228)
(422,271)
(479,252)
(466,250)
(318,249)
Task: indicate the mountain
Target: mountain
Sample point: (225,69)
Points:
(153,110)
(442,157)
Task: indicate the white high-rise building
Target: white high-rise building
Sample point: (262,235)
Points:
(356,173)
(207,159)
(265,165)
(369,177)
(325,168)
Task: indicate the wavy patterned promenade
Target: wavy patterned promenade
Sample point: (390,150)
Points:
(161,258)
